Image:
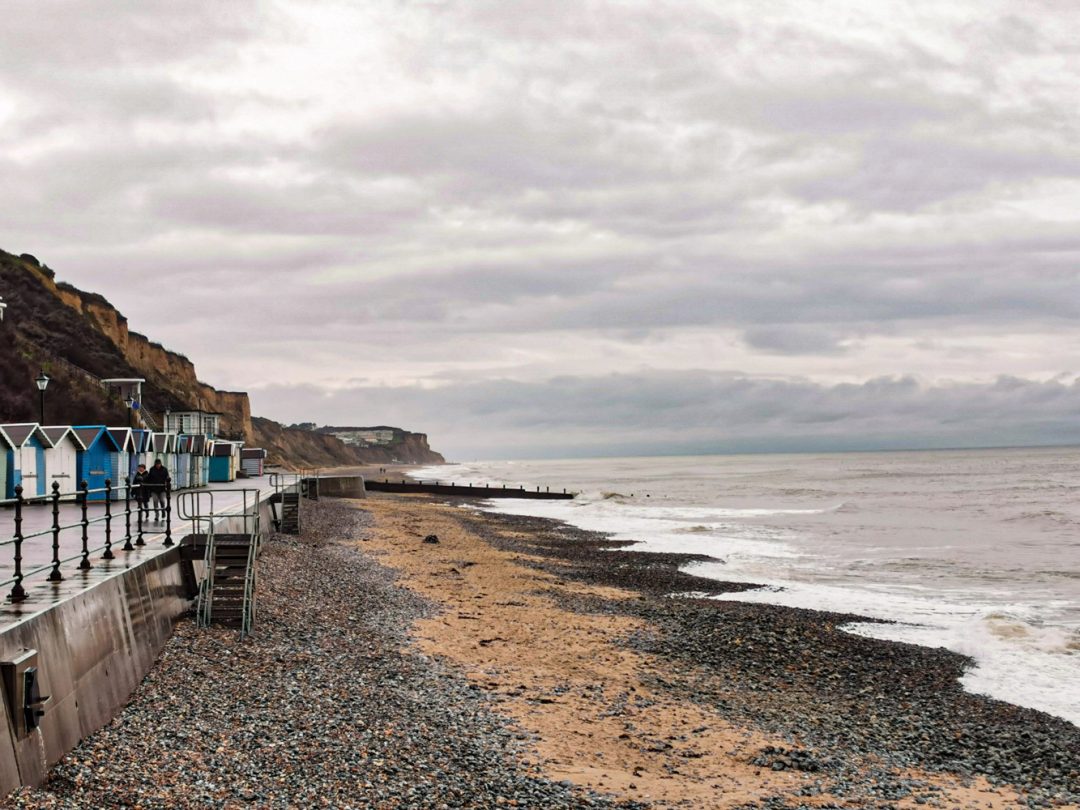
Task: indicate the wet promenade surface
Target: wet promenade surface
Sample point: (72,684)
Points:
(37,552)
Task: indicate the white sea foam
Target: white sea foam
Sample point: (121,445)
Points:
(944,543)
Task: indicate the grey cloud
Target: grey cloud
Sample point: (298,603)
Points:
(794,340)
(656,412)
(493,180)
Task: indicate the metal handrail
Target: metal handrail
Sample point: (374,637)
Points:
(82,498)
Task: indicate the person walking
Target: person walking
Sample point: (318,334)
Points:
(157,479)
(141,491)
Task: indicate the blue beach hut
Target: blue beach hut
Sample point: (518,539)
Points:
(224,456)
(96,461)
(26,458)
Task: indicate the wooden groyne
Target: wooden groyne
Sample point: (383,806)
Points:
(464,490)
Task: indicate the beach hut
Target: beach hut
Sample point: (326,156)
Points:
(96,460)
(62,459)
(26,458)
(121,460)
(200,461)
(163,445)
(251,461)
(224,460)
(145,454)
(182,479)
(138,440)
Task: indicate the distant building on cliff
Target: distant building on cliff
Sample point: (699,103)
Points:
(192,422)
(364,436)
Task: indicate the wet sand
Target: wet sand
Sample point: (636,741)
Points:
(628,693)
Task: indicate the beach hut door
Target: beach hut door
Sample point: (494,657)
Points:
(32,483)
(62,467)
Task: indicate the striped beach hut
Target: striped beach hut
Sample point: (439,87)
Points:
(62,459)
(164,448)
(122,458)
(96,460)
(182,448)
(200,461)
(139,439)
(251,461)
(26,458)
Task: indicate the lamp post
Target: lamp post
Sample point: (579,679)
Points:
(42,383)
(130,402)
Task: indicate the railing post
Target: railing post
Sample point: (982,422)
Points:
(84,496)
(168,514)
(18,593)
(108,555)
(141,506)
(55,575)
(127,514)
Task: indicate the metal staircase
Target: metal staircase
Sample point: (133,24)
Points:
(285,502)
(226,592)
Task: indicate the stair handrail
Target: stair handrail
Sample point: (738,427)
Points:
(247,616)
(204,607)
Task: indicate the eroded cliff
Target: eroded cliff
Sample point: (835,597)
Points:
(80,337)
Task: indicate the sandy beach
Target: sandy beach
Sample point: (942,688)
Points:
(513,663)
(565,638)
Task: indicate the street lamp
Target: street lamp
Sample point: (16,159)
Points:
(130,402)
(42,383)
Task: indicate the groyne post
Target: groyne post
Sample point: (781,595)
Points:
(84,496)
(127,514)
(55,575)
(18,593)
(108,555)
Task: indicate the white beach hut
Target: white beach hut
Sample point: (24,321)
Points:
(62,459)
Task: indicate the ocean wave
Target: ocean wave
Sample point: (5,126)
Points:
(1044,516)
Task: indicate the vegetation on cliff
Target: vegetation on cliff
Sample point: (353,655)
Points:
(79,338)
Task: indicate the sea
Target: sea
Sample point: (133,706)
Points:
(976,551)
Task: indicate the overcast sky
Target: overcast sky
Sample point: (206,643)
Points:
(573,227)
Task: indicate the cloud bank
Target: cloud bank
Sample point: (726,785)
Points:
(405,202)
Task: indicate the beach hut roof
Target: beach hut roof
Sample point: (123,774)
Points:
(59,433)
(19,434)
(164,442)
(89,434)
(125,442)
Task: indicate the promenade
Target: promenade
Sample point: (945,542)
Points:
(37,552)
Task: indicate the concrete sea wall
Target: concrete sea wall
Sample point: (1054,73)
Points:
(93,649)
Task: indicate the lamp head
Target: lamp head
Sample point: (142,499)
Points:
(42,381)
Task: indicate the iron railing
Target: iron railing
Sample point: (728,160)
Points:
(138,492)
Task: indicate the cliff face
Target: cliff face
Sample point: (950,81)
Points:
(171,372)
(78,336)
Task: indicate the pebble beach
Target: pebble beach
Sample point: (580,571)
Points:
(411,653)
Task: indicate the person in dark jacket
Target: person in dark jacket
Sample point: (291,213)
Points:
(142,494)
(156,481)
